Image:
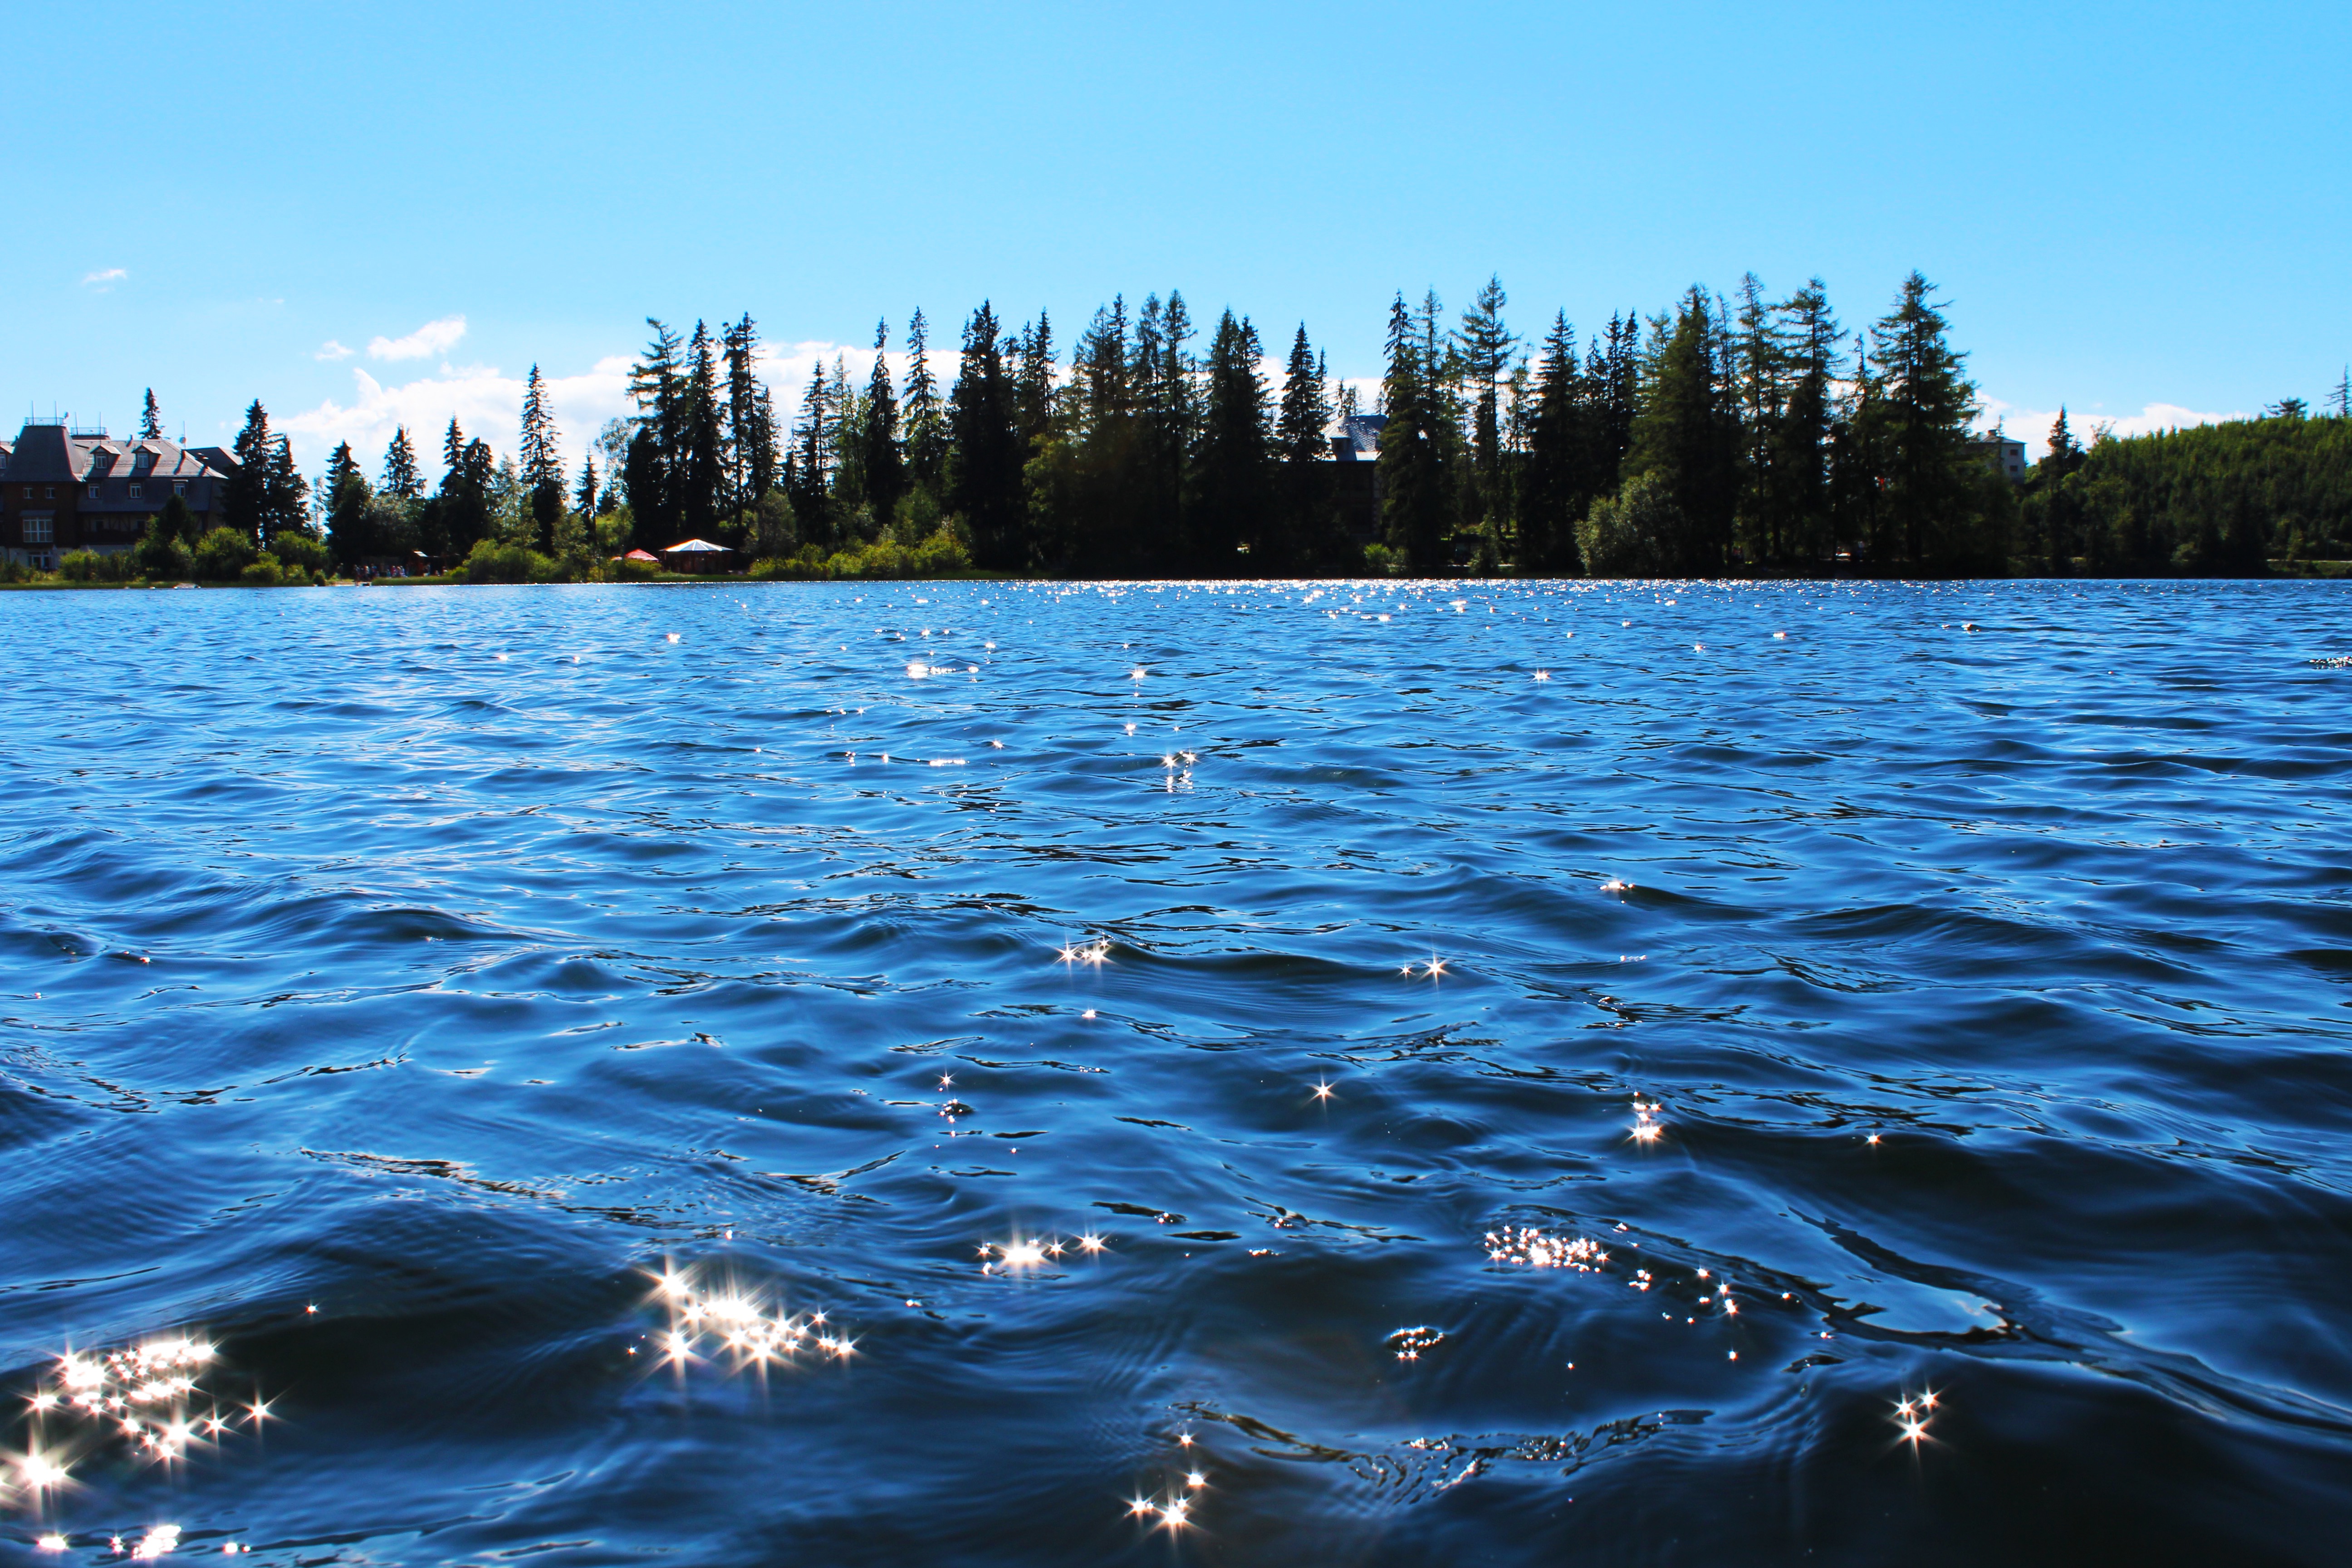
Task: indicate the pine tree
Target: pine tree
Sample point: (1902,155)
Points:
(746,434)
(1756,363)
(1304,533)
(583,499)
(1416,502)
(926,417)
(1932,473)
(811,480)
(2341,398)
(350,504)
(1033,388)
(984,482)
(1167,423)
(462,506)
(1485,344)
(1557,488)
(244,500)
(884,470)
(151,419)
(285,495)
(654,472)
(1799,443)
(542,460)
(401,478)
(1687,434)
(703,496)
(1229,465)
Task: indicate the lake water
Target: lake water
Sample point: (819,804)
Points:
(1017,1073)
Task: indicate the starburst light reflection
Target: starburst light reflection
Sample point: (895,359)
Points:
(741,1327)
(1537,1250)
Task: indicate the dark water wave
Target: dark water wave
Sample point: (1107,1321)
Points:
(1472,1074)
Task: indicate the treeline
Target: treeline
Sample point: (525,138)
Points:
(1748,434)
(2228,498)
(1715,435)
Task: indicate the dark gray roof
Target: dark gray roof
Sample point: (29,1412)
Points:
(51,454)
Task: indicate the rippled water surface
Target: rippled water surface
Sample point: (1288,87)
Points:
(1019,1073)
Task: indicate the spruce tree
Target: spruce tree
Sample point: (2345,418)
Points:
(285,495)
(1417,503)
(1756,363)
(926,416)
(2341,398)
(985,464)
(704,457)
(1230,463)
(1687,434)
(1797,449)
(1485,344)
(746,433)
(583,499)
(401,478)
(809,484)
(350,504)
(1304,532)
(244,500)
(1033,388)
(542,460)
(462,506)
(1932,471)
(1555,490)
(885,472)
(655,473)
(151,418)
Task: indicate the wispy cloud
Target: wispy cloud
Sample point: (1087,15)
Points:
(2032,426)
(332,350)
(104,280)
(432,338)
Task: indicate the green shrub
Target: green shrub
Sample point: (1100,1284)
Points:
(223,554)
(1382,562)
(1634,533)
(300,548)
(162,553)
(89,567)
(262,572)
(491,562)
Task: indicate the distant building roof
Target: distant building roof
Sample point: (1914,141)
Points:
(1356,438)
(642,555)
(697,547)
(50,453)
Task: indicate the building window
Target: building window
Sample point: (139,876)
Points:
(93,492)
(135,488)
(53,492)
(36,530)
(179,487)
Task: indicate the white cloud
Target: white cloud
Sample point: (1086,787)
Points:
(103,280)
(431,338)
(486,404)
(332,350)
(2032,426)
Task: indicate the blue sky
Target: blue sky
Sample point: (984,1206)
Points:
(363,213)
